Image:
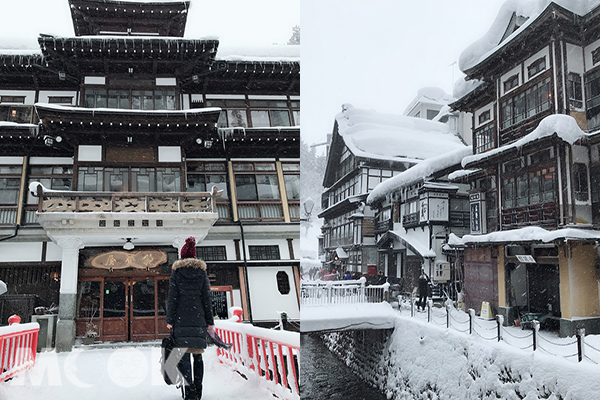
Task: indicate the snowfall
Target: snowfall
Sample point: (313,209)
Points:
(426,360)
(122,373)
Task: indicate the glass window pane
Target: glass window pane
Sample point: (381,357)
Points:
(246,187)
(237,118)
(9,190)
(114,299)
(148,101)
(170,100)
(159,101)
(222,121)
(196,183)
(143,298)
(292,186)
(61,183)
(267,187)
(136,100)
(260,119)
(280,118)
(163,295)
(113,99)
(100,99)
(88,300)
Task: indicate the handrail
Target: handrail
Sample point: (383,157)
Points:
(108,201)
(342,292)
(18,345)
(272,355)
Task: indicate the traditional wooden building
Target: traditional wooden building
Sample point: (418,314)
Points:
(534,174)
(366,149)
(120,142)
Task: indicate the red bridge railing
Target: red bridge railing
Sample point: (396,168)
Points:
(18,344)
(273,355)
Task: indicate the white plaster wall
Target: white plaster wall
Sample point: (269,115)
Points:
(503,78)
(169,154)
(488,107)
(44,94)
(53,252)
(51,161)
(545,52)
(575,57)
(11,160)
(266,300)
(20,252)
(29,95)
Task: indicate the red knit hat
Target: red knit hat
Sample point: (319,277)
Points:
(189,248)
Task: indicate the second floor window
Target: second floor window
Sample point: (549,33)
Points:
(18,114)
(484,138)
(201,177)
(57,177)
(533,187)
(256,181)
(574,90)
(529,103)
(511,83)
(264,252)
(129,179)
(130,99)
(536,67)
(10,182)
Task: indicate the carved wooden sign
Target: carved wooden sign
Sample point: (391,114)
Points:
(142,259)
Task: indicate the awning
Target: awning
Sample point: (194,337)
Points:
(411,243)
(341,253)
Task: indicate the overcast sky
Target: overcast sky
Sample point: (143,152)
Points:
(377,54)
(234,22)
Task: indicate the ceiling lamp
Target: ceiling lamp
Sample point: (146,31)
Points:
(128,245)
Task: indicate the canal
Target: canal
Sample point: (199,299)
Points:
(325,377)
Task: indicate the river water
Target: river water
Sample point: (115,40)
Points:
(325,377)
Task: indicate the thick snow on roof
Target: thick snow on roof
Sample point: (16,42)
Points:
(430,95)
(461,173)
(420,171)
(392,137)
(530,9)
(462,87)
(422,249)
(526,234)
(258,53)
(564,126)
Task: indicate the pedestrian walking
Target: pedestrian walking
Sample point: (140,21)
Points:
(423,289)
(189,315)
(381,278)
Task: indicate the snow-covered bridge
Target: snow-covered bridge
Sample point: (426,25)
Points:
(262,364)
(344,305)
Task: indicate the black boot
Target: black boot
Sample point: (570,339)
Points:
(190,393)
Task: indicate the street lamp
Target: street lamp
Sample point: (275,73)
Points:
(308,205)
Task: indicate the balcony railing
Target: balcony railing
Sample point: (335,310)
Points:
(409,220)
(134,202)
(383,226)
(533,214)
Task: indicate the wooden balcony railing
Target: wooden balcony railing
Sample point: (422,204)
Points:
(533,214)
(409,220)
(135,202)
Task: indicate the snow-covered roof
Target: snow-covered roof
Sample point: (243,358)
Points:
(463,87)
(564,126)
(461,173)
(528,10)
(418,172)
(392,137)
(526,234)
(429,95)
(414,245)
(259,53)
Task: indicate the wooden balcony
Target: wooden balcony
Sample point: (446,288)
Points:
(383,226)
(410,220)
(533,214)
(120,202)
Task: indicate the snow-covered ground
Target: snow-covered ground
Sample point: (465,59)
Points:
(124,373)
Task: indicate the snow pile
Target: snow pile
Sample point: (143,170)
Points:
(474,368)
(460,174)
(526,9)
(123,373)
(347,316)
(564,126)
(430,95)
(421,171)
(526,234)
(462,87)
(390,137)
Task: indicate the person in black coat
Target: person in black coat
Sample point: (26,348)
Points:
(423,289)
(189,315)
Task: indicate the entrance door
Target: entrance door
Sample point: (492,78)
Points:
(129,308)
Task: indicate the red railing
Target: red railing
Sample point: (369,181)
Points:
(273,355)
(18,344)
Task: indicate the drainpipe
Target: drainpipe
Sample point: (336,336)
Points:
(244,258)
(13,235)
